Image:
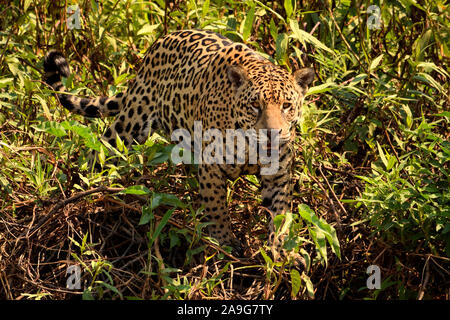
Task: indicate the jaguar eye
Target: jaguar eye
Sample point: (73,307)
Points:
(287,106)
(255,107)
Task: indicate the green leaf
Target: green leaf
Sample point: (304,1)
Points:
(110,287)
(289,8)
(307,258)
(26,5)
(146,216)
(321,231)
(148,29)
(304,36)
(75,242)
(443,114)
(90,140)
(44,105)
(156,200)
(51,127)
(137,190)
(248,23)
(429,80)
(324,87)
(306,213)
(382,156)
(409,115)
(281,48)
(296,282)
(375,62)
(309,285)
(13,64)
(287,223)
(420,45)
(267,259)
(5,82)
(330,234)
(428,66)
(160,226)
(87,295)
(273,29)
(165,198)
(320,241)
(162,156)
(205,9)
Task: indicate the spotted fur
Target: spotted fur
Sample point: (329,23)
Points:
(195,75)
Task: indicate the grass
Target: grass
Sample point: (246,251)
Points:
(372,168)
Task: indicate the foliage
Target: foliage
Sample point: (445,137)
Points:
(372,176)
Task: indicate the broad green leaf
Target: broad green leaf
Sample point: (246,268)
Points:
(51,127)
(289,8)
(205,8)
(324,230)
(330,234)
(304,36)
(137,190)
(6,81)
(146,216)
(421,44)
(44,105)
(248,23)
(309,285)
(431,66)
(273,29)
(305,212)
(13,64)
(296,282)
(156,200)
(409,115)
(110,287)
(162,156)
(375,62)
(167,199)
(324,87)
(287,223)
(281,48)
(430,80)
(148,29)
(382,156)
(320,241)
(160,226)
(26,5)
(267,259)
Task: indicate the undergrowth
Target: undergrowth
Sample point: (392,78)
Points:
(371,174)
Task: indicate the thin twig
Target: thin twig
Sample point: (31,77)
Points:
(334,195)
(180,226)
(336,216)
(424,283)
(51,215)
(343,38)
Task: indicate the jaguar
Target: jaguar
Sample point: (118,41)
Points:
(198,76)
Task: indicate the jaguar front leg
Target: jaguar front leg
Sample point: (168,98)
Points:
(277,196)
(213,197)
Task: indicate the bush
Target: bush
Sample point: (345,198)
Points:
(372,176)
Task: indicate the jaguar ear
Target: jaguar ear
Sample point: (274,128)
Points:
(304,77)
(237,75)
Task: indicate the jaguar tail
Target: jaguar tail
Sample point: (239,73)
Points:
(55,67)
